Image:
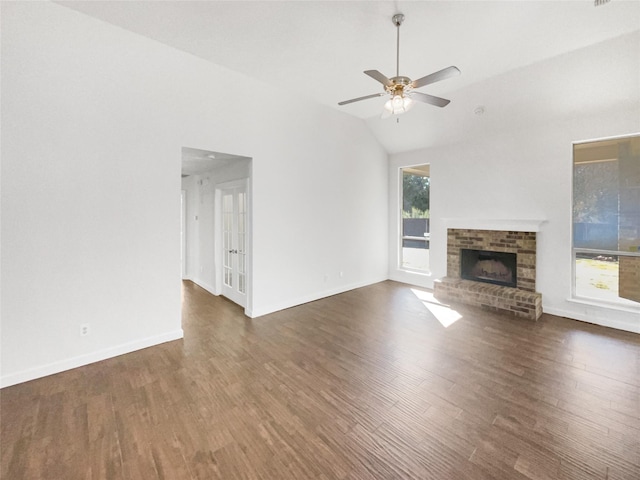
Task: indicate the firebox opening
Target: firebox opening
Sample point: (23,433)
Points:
(499,268)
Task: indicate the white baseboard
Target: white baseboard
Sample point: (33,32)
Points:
(424,280)
(206,286)
(602,321)
(81,360)
(259,312)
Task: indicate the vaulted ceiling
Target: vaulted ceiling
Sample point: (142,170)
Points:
(538,57)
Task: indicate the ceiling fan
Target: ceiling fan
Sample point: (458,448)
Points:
(401,90)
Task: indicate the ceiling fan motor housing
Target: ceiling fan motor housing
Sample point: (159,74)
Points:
(401,80)
(398,86)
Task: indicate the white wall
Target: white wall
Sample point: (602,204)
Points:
(93,120)
(519,174)
(192,234)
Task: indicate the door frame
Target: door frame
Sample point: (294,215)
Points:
(183,236)
(246,183)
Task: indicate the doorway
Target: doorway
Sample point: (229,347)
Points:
(217,223)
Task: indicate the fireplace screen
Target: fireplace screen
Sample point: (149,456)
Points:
(499,268)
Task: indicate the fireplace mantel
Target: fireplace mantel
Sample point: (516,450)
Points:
(508,225)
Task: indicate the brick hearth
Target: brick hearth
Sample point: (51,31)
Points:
(522,301)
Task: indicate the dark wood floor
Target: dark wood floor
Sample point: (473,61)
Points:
(363,385)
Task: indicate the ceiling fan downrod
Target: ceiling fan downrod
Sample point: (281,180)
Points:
(397,20)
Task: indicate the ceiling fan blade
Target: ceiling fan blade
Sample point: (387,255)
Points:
(376,75)
(436,77)
(361,98)
(430,99)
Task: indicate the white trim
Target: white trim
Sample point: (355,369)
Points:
(183,231)
(217,242)
(604,139)
(310,298)
(603,320)
(593,302)
(249,246)
(398,209)
(418,279)
(206,286)
(82,360)
(508,225)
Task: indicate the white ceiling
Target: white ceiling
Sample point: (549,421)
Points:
(320,49)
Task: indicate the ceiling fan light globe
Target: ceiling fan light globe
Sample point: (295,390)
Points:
(407,103)
(397,105)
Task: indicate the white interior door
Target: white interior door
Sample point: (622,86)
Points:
(233,201)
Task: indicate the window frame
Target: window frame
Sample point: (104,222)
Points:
(622,303)
(399,208)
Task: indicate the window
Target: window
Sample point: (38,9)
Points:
(414,210)
(606,220)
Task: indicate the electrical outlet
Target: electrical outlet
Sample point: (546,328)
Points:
(84,330)
(341,274)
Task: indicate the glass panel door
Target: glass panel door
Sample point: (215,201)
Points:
(233,211)
(227,239)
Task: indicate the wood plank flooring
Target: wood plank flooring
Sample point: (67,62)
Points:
(363,385)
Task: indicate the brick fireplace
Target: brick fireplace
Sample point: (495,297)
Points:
(520,300)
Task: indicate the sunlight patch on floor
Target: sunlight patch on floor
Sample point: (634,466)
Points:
(446,315)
